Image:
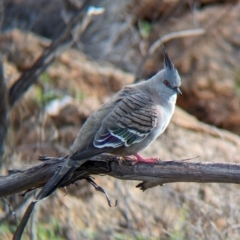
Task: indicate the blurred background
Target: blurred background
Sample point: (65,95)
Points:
(44,105)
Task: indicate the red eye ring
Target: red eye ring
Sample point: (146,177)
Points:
(166,82)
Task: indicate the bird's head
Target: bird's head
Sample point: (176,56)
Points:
(169,78)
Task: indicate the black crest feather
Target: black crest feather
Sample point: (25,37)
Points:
(167,62)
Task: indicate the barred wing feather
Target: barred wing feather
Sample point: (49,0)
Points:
(131,120)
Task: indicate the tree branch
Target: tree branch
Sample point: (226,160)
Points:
(151,175)
(3,109)
(157,44)
(76,26)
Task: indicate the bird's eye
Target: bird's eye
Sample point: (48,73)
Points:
(166,82)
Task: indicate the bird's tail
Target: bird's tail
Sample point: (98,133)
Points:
(75,161)
(59,177)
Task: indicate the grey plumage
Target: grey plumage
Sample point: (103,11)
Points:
(127,124)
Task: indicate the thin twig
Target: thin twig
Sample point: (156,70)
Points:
(166,38)
(13,213)
(33,221)
(174,35)
(100,189)
(18,233)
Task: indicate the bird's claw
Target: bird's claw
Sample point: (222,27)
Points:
(147,160)
(138,158)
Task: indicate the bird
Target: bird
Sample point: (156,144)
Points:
(132,119)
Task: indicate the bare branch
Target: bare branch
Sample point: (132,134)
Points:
(173,35)
(157,44)
(151,175)
(1,13)
(19,231)
(76,26)
(3,109)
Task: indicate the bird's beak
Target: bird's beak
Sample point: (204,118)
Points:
(178,91)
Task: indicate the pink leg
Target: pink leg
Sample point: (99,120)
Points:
(146,160)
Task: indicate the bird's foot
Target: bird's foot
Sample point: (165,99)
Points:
(146,160)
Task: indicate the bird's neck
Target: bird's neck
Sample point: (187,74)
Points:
(159,96)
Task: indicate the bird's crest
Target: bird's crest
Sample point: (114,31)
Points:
(171,72)
(167,62)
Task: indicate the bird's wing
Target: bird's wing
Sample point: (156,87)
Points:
(132,119)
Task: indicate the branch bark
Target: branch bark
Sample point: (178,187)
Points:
(150,175)
(3,110)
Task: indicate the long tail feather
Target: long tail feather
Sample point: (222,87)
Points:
(59,177)
(72,163)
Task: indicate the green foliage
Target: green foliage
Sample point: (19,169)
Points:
(44,231)
(45,92)
(145,28)
(127,237)
(89,233)
(179,228)
(237,81)
(45,78)
(49,231)
(78,94)
(45,97)
(6,230)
